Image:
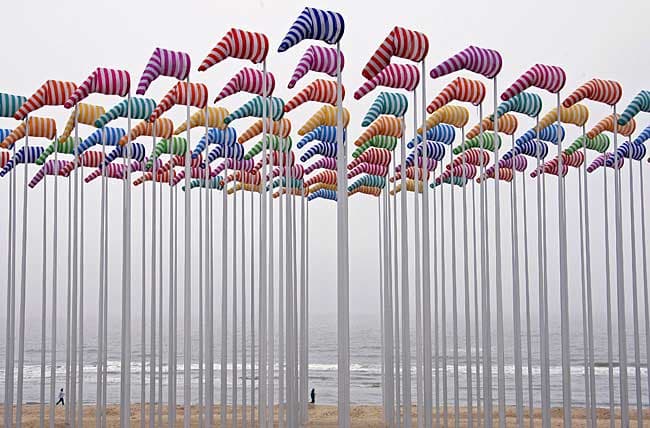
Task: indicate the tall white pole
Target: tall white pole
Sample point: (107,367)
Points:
(55,273)
(43,305)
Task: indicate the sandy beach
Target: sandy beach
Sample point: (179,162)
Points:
(319,416)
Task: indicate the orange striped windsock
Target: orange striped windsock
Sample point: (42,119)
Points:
(367,190)
(460,89)
(238,44)
(160,177)
(400,43)
(107,81)
(607,124)
(603,91)
(384,125)
(164,129)
(51,93)
(413,173)
(373,155)
(398,76)
(505,174)
(410,186)
(326,115)
(325,177)
(320,90)
(86,114)
(577,115)
(453,115)
(216,115)
(280,127)
(44,127)
(248,80)
(181,93)
(507,125)
(245,186)
(548,77)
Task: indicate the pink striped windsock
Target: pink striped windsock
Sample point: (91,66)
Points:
(398,76)
(551,167)
(460,89)
(413,173)
(294,171)
(248,80)
(195,172)
(107,81)
(603,91)
(89,158)
(179,94)
(51,93)
(322,91)
(238,44)
(5,155)
(518,162)
(368,168)
(316,58)
(486,62)
(324,163)
(601,161)
(160,177)
(164,62)
(400,43)
(474,156)
(229,163)
(467,171)
(51,167)
(549,77)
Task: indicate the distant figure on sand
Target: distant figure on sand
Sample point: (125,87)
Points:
(61,398)
(313,396)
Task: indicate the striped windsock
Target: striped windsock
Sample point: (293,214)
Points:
(294,191)
(44,127)
(487,138)
(322,163)
(276,157)
(66,147)
(238,44)
(603,91)
(51,167)
(248,80)
(630,151)
(281,127)
(179,160)
(607,124)
(24,155)
(474,156)
(319,59)
(216,115)
(325,177)
(390,103)
(295,171)
(518,162)
(551,167)
(368,180)
(172,146)
(643,136)
(368,168)
(293,182)
(245,186)
(108,136)
(107,81)
(195,173)
(89,158)
(454,181)
(384,125)
(577,115)
(380,141)
(214,183)
(366,190)
(442,133)
(5,155)
(164,129)
(326,134)
(548,77)
(326,115)
(137,152)
(318,186)
(374,156)
(454,115)
(465,171)
(398,76)
(486,62)
(314,24)
(419,162)
(606,159)
(160,177)
(235,151)
(244,177)
(507,125)
(255,108)
(435,150)
(549,134)
(460,89)
(574,160)
(227,136)
(241,165)
(51,93)
(320,90)
(327,194)
(410,186)
(164,62)
(141,108)
(196,94)
(400,43)
(641,102)
(505,174)
(526,103)
(273,142)
(86,114)
(117,171)
(9,104)
(533,149)
(412,172)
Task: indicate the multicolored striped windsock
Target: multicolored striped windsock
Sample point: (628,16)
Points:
(295,171)
(196,94)
(51,167)
(24,155)
(322,163)
(314,24)
(600,144)
(86,114)
(227,136)
(273,142)
(380,141)
(172,146)
(107,81)
(66,147)
(486,62)
(51,93)
(281,127)
(507,125)
(244,177)
(410,186)
(255,108)
(248,80)
(607,124)
(460,89)
(400,43)
(641,102)
(368,168)
(160,177)
(214,183)
(9,104)
(141,108)
(413,173)
(551,167)
(390,103)
(368,180)
(603,91)
(518,163)
(89,158)
(454,115)
(398,76)
(374,156)
(533,149)
(505,174)
(115,170)
(5,155)
(164,129)
(164,62)
(465,171)
(325,177)
(326,115)
(367,190)
(327,194)
(320,90)
(216,115)
(384,125)
(487,139)
(604,160)
(235,151)
(238,44)
(325,134)
(324,148)
(476,157)
(577,114)
(293,183)
(316,58)
(108,136)
(525,103)
(550,134)
(44,127)
(548,77)
(137,152)
(442,133)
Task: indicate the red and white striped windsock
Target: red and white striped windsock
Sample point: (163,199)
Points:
(372,155)
(160,177)
(320,90)
(114,170)
(248,80)
(164,62)
(603,91)
(5,155)
(238,44)
(294,171)
(107,81)
(195,172)
(507,125)
(550,167)
(368,168)
(575,159)
(276,157)
(51,93)
(179,160)
(486,62)
(398,76)
(547,77)
(467,171)
(460,89)
(505,174)
(89,158)
(325,177)
(474,156)
(384,125)
(316,58)
(401,43)
(197,93)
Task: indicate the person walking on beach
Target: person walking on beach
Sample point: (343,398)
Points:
(61,398)
(313,396)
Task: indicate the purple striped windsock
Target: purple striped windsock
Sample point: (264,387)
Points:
(548,77)
(164,62)
(316,58)
(107,81)
(398,76)
(486,62)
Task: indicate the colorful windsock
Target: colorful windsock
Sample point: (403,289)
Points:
(323,133)
(574,160)
(229,163)
(51,93)
(550,134)
(368,180)
(368,168)
(227,136)
(275,157)
(533,149)
(59,146)
(321,91)
(460,89)
(86,114)
(603,91)
(641,102)
(486,62)
(390,103)
(384,125)
(163,127)
(442,133)
(548,77)
(600,144)
(316,58)
(366,190)
(239,44)
(507,125)
(326,115)
(602,160)
(327,194)
(525,103)
(137,152)
(323,148)
(273,107)
(160,177)
(89,158)
(117,171)
(141,108)
(465,171)
(628,150)
(164,62)
(216,115)
(435,151)
(413,173)
(214,183)
(322,163)
(24,155)
(272,142)
(43,127)
(486,139)
(5,155)
(400,43)
(411,185)
(577,115)
(551,167)
(9,104)
(173,146)
(108,136)
(314,24)
(183,93)
(107,81)
(248,80)
(518,163)
(607,124)
(476,157)
(505,174)
(454,115)
(374,156)
(643,136)
(380,141)
(281,127)
(325,177)
(235,151)
(51,167)
(398,76)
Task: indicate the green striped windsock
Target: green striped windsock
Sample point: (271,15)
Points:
(215,183)
(255,108)
(178,146)
(368,180)
(524,103)
(456,181)
(386,103)
(66,147)
(379,141)
(141,108)
(9,104)
(600,144)
(639,103)
(488,142)
(274,142)
(282,182)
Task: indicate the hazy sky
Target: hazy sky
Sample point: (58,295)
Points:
(67,39)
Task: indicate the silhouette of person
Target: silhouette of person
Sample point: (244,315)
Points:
(313,396)
(61,398)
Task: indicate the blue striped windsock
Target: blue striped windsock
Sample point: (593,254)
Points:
(643,136)
(533,149)
(525,103)
(386,103)
(627,150)
(24,155)
(441,133)
(435,150)
(639,103)
(314,24)
(323,194)
(137,153)
(141,108)
(107,135)
(215,183)
(548,134)
(322,148)
(227,136)
(324,133)
(255,108)
(235,152)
